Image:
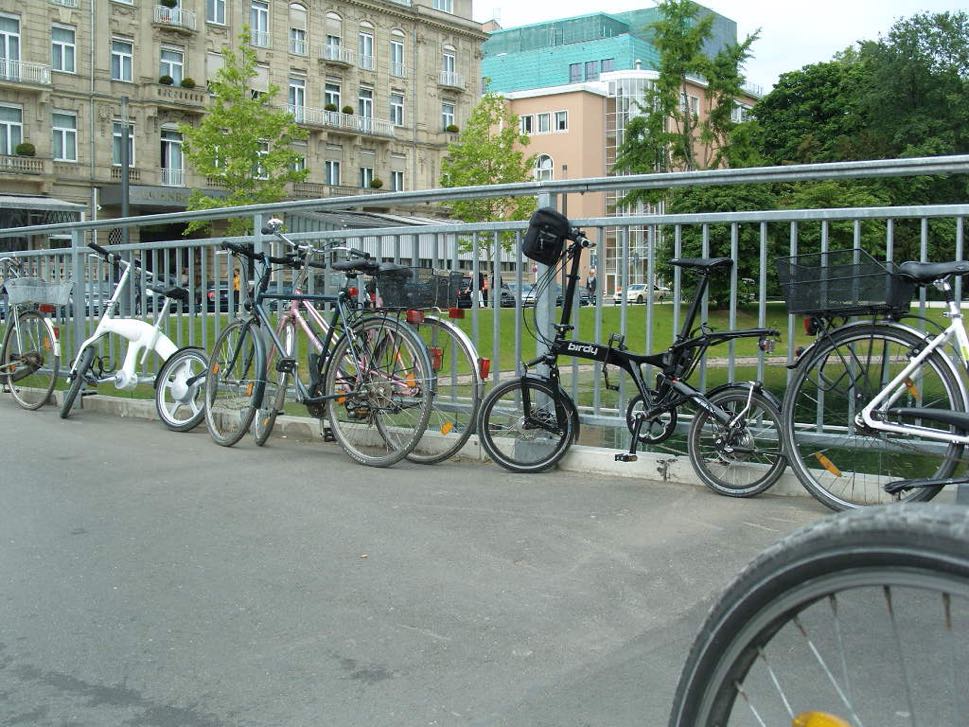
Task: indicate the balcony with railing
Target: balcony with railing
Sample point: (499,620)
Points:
(24,73)
(172,177)
(33,166)
(297,46)
(316,190)
(398,70)
(451,79)
(260,38)
(367,63)
(336,54)
(65,3)
(174,18)
(186,99)
(405,3)
(340,122)
(134,174)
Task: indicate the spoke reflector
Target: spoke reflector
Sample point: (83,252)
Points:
(912,388)
(818,719)
(446,427)
(827,464)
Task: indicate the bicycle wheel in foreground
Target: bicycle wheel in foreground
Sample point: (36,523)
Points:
(739,462)
(80,376)
(274,398)
(234,382)
(862,617)
(29,366)
(839,460)
(179,395)
(382,384)
(524,439)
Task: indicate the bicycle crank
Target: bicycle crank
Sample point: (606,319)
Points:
(655,429)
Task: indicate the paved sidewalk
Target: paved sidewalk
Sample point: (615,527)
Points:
(152,578)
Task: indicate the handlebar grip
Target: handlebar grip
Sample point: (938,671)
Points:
(286,260)
(319,266)
(241,250)
(534,361)
(267,230)
(99,250)
(359,253)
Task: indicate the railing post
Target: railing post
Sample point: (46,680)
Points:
(77,275)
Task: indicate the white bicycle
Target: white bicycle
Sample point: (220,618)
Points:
(178,385)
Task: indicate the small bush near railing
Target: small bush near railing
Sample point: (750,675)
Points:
(348,109)
(329,107)
(187,83)
(453,128)
(166,80)
(376,183)
(25,149)
(171,4)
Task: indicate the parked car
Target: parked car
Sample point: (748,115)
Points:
(529,298)
(638,293)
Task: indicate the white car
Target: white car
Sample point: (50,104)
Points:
(638,292)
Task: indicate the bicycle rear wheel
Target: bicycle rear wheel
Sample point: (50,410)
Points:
(526,439)
(740,462)
(381,385)
(458,392)
(30,362)
(277,382)
(838,459)
(862,616)
(179,397)
(234,382)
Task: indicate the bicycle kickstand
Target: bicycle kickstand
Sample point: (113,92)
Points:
(631,455)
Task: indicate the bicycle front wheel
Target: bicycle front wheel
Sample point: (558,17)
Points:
(859,617)
(79,378)
(458,392)
(179,398)
(234,382)
(526,437)
(841,461)
(744,460)
(380,386)
(277,381)
(30,364)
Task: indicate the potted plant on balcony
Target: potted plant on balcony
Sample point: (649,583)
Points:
(25,149)
(376,183)
(166,80)
(452,128)
(329,107)
(348,109)
(187,83)
(170,4)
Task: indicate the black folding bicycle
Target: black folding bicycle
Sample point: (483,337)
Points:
(528,423)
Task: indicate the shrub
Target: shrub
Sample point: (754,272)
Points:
(330,107)
(166,80)
(453,128)
(188,83)
(25,149)
(348,109)
(376,183)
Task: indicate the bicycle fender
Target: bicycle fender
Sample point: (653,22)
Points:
(745,386)
(183,348)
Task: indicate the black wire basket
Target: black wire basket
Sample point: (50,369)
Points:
(843,282)
(415,288)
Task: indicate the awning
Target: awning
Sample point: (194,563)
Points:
(24,202)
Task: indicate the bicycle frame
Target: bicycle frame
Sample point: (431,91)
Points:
(12,312)
(143,338)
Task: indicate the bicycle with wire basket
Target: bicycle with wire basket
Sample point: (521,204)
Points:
(875,411)
(528,423)
(369,375)
(31,350)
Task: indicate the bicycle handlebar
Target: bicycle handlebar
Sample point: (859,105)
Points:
(108,256)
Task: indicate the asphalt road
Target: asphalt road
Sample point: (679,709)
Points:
(154,579)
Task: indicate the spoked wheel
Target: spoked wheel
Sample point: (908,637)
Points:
(277,381)
(30,362)
(526,426)
(179,390)
(234,382)
(744,459)
(381,385)
(859,619)
(79,378)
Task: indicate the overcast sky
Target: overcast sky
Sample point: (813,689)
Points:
(794,33)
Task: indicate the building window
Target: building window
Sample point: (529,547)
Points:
(365,102)
(297,99)
(448,60)
(397,54)
(397,181)
(561,120)
(365,47)
(525,124)
(11,128)
(544,171)
(213,64)
(121,55)
(331,95)
(9,47)
(447,115)
(591,70)
(694,104)
(397,109)
(260,170)
(575,72)
(297,29)
(63,48)
(64,127)
(608,65)
(116,144)
(215,11)
(366,177)
(446,5)
(259,23)
(331,172)
(172,171)
(544,123)
(334,37)
(172,64)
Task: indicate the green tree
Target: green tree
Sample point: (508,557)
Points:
(489,151)
(243,141)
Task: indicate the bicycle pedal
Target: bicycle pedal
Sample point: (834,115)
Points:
(286,365)
(328,435)
(626,457)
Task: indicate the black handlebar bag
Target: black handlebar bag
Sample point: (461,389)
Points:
(548,229)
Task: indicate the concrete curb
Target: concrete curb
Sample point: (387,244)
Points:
(593,460)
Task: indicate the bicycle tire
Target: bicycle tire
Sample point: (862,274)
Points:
(380,393)
(276,385)
(742,463)
(77,382)
(234,382)
(841,464)
(458,392)
(836,619)
(513,444)
(181,404)
(29,366)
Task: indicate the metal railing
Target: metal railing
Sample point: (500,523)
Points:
(452,79)
(628,249)
(337,54)
(17,71)
(260,38)
(340,121)
(176,17)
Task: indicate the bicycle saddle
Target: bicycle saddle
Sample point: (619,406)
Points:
(358,266)
(703,263)
(924,273)
(175,293)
